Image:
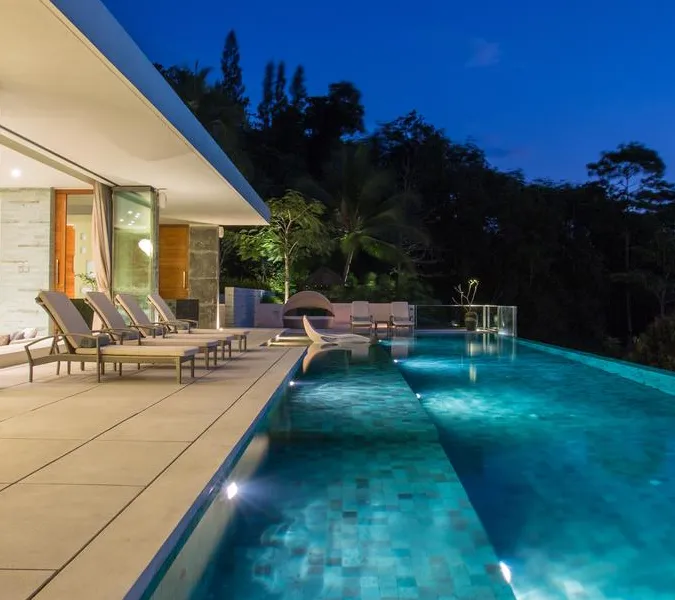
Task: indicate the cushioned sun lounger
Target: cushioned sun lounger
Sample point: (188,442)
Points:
(400,316)
(360,315)
(167,317)
(147,328)
(113,320)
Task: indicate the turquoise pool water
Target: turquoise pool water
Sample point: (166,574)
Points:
(415,478)
(356,499)
(571,469)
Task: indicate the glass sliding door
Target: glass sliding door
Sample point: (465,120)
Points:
(134,242)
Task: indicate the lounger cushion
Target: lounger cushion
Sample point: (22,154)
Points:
(197,337)
(130,350)
(130,304)
(197,341)
(69,320)
(216,333)
(360,311)
(400,311)
(109,313)
(162,307)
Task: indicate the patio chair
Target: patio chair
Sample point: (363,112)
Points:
(400,316)
(114,322)
(338,339)
(360,315)
(146,327)
(167,318)
(74,341)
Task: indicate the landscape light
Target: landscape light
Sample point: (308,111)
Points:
(506,572)
(231,490)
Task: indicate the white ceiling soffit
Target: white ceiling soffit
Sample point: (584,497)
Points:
(19,170)
(74,82)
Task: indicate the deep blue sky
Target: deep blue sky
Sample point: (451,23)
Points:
(541,86)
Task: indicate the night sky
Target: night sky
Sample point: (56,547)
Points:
(541,86)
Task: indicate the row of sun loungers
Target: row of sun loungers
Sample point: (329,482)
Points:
(399,316)
(169,341)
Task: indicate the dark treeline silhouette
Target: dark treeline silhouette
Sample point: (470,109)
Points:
(413,213)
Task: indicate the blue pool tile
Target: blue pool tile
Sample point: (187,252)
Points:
(357,500)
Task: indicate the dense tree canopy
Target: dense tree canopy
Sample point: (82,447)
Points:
(405,211)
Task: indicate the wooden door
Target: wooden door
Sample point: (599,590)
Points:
(65,243)
(173,261)
(69,275)
(60,214)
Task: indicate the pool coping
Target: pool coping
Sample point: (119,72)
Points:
(654,377)
(173,544)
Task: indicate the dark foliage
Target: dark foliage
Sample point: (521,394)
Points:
(413,213)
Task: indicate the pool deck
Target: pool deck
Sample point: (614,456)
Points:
(95,477)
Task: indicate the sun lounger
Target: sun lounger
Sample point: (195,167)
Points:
(113,320)
(146,327)
(400,316)
(167,317)
(339,339)
(360,315)
(74,341)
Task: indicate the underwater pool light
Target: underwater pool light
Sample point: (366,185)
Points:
(419,396)
(231,490)
(395,360)
(506,572)
(291,383)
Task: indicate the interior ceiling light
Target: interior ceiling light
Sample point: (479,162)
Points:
(15,173)
(146,246)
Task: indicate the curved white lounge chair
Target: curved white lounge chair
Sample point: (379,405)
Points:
(339,339)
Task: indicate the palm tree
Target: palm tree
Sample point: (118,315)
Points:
(369,212)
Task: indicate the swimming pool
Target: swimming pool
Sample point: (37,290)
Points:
(415,478)
(356,499)
(570,468)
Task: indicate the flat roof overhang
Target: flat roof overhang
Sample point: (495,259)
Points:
(76,89)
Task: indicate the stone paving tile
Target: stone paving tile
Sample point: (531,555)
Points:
(19,584)
(46,519)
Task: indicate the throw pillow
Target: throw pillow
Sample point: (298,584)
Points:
(4,340)
(15,335)
(29,332)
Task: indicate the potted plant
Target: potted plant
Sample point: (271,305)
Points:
(89,281)
(466,299)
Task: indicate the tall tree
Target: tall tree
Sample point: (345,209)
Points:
(233,84)
(368,208)
(295,230)
(330,120)
(298,89)
(633,176)
(266,105)
(280,97)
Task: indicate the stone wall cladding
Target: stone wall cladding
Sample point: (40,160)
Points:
(25,257)
(204,272)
